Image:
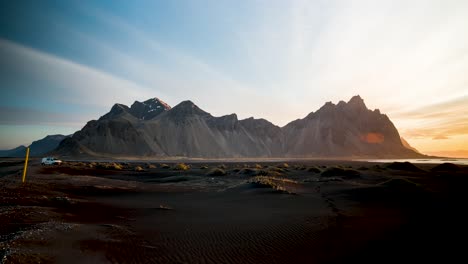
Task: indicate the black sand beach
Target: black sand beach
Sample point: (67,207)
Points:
(232,212)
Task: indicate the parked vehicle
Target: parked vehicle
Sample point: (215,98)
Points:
(51,161)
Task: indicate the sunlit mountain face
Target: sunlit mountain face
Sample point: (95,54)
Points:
(63,64)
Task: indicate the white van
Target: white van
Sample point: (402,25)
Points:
(50,161)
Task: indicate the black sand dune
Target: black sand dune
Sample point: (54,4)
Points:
(404,166)
(447,167)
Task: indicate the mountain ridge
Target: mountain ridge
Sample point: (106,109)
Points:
(347,129)
(37,148)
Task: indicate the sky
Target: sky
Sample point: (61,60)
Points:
(63,63)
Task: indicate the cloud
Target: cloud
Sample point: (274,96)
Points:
(64,80)
(396,54)
(450,153)
(23,116)
(440,120)
(186,76)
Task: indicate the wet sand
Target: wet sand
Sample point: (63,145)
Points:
(232,212)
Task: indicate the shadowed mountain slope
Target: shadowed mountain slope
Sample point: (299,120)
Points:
(154,129)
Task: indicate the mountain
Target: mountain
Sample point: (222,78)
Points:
(344,130)
(14,153)
(45,145)
(154,129)
(37,148)
(185,130)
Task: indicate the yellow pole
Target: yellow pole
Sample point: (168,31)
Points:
(25,164)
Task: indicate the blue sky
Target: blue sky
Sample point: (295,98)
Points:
(66,62)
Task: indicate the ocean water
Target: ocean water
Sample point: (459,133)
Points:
(434,161)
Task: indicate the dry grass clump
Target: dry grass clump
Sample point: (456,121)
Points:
(271,182)
(204,167)
(258,166)
(217,172)
(138,168)
(181,167)
(151,166)
(247,171)
(164,166)
(261,172)
(109,166)
(337,171)
(314,170)
(274,173)
(276,169)
(283,166)
(116,166)
(164,207)
(299,167)
(101,166)
(222,166)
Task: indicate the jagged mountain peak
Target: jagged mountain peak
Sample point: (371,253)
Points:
(357,102)
(148,109)
(141,110)
(341,103)
(155,102)
(118,107)
(188,108)
(186,104)
(326,108)
(116,110)
(229,117)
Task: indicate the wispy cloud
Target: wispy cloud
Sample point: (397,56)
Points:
(65,80)
(35,80)
(437,120)
(450,153)
(24,116)
(439,137)
(189,77)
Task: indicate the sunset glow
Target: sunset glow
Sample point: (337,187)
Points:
(373,138)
